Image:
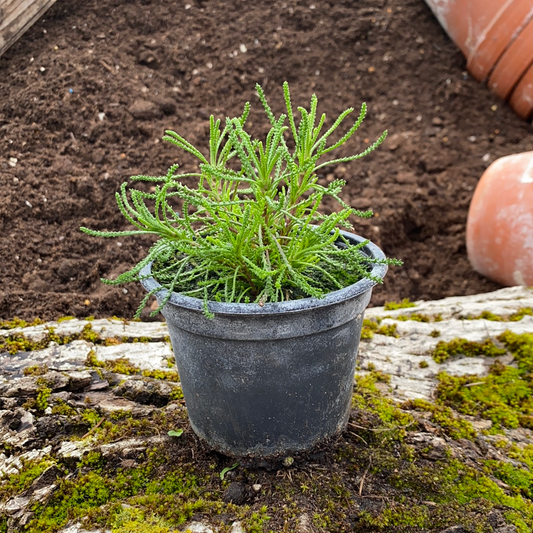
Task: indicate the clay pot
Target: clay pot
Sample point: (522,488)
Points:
(513,63)
(499,229)
(522,98)
(496,37)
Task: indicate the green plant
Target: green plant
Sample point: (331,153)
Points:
(227,469)
(251,230)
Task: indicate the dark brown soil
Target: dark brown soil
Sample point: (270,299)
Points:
(149,66)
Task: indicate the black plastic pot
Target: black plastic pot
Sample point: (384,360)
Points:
(267,381)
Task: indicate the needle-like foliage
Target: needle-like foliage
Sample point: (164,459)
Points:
(251,231)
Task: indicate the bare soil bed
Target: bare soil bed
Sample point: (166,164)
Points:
(86,94)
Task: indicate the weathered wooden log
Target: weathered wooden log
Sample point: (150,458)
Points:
(17,16)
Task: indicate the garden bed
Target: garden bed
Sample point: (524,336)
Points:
(87,93)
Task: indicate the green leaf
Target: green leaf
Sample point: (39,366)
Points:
(175,433)
(228,469)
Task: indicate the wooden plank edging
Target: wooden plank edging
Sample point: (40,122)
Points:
(17,16)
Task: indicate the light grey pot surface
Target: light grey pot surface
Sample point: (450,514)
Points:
(268,381)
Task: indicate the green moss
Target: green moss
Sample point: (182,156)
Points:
(65,318)
(452,425)
(17,483)
(469,485)
(174,483)
(521,346)
(388,330)
(521,313)
(176,394)
(514,317)
(423,364)
(368,397)
(134,520)
(519,479)
(486,315)
(505,396)
(20,343)
(392,306)
(416,317)
(444,350)
(61,408)
(370,327)
(91,416)
(435,333)
(40,402)
(257,521)
(168,375)
(119,366)
(398,516)
(19,323)
(36,370)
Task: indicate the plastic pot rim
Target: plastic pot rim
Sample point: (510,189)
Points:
(292,306)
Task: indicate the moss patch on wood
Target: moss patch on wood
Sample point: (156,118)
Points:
(445,350)
(505,395)
(379,475)
(403,304)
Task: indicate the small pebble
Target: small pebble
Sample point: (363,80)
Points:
(243,49)
(87,302)
(486,158)
(209,64)
(28,204)
(187,6)
(256,487)
(472,138)
(395,102)
(101,116)
(12,161)
(42,69)
(494,107)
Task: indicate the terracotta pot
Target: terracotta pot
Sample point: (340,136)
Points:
(513,63)
(499,229)
(522,98)
(496,37)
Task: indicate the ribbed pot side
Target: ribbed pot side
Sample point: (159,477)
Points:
(267,381)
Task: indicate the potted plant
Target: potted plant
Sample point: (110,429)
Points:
(263,294)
